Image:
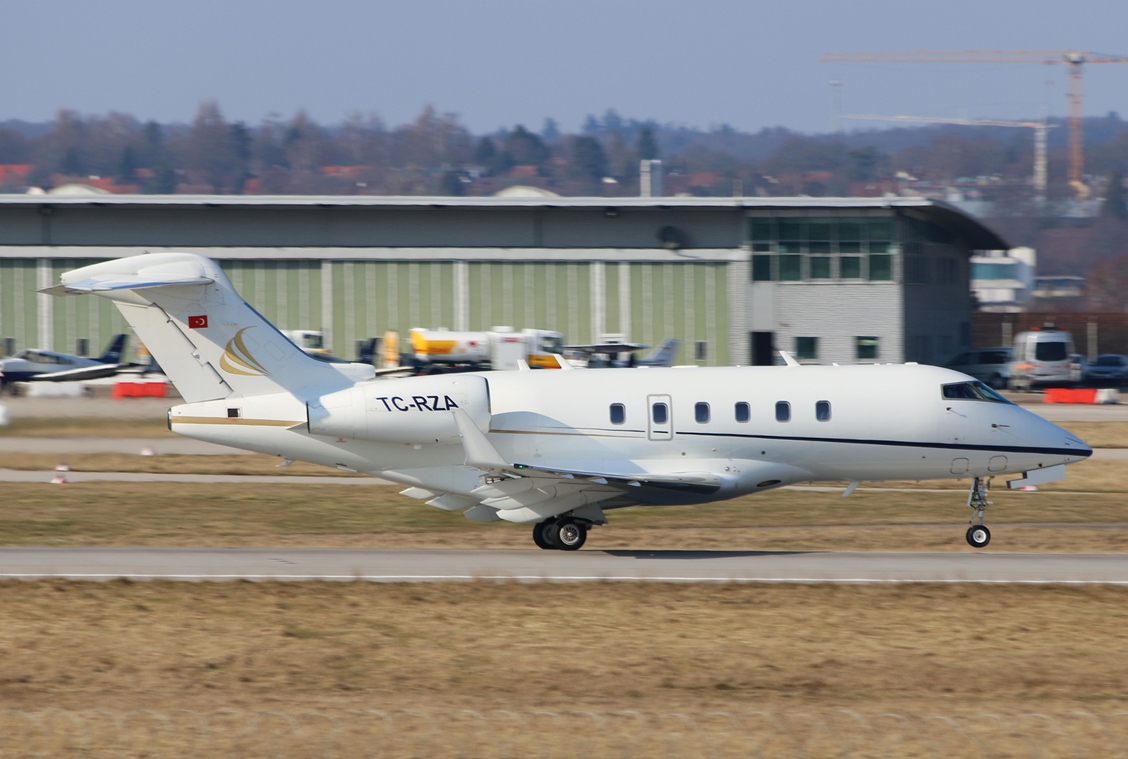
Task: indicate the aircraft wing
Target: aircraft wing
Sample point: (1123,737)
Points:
(607,347)
(517,492)
(80,374)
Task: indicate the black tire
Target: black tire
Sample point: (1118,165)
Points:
(978,536)
(542,534)
(569,535)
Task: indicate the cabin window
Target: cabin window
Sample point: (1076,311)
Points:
(743,412)
(783,411)
(660,413)
(822,411)
(234,413)
(618,413)
(701,413)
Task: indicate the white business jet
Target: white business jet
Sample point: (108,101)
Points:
(560,449)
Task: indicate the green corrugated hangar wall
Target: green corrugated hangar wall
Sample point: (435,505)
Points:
(647,302)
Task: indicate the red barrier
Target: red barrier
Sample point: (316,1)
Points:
(140,390)
(1070,395)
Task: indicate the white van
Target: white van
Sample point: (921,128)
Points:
(1042,357)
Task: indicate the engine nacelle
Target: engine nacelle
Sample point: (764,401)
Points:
(413,411)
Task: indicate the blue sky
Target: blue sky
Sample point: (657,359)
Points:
(750,64)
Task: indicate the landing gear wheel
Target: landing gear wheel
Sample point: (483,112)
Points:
(542,534)
(569,535)
(978,535)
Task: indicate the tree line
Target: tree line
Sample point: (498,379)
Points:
(437,155)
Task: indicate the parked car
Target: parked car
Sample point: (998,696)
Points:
(1042,357)
(1108,369)
(1078,369)
(988,365)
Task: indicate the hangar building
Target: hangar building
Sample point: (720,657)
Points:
(830,279)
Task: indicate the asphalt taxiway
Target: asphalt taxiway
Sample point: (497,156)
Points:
(446,565)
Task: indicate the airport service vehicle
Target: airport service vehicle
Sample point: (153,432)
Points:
(309,340)
(499,348)
(1040,358)
(990,366)
(37,365)
(1108,369)
(559,450)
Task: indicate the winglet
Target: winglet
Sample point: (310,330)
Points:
(480,452)
(788,359)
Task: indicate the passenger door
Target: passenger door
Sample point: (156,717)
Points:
(659,417)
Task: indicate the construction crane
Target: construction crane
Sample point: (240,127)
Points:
(1039,127)
(1075,59)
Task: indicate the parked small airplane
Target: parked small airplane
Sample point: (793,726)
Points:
(35,365)
(610,355)
(560,449)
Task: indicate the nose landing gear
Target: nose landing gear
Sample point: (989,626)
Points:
(561,533)
(977,534)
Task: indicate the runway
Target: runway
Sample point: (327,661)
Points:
(444,565)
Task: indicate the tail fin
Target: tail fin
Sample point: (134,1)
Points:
(210,342)
(664,356)
(367,352)
(115,350)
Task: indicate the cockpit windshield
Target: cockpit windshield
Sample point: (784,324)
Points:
(971,391)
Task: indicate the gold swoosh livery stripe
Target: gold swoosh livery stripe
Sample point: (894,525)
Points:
(237,359)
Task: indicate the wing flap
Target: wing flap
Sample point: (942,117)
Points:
(693,482)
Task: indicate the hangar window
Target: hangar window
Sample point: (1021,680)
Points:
(762,268)
(783,411)
(798,248)
(743,412)
(807,348)
(701,413)
(822,411)
(618,413)
(790,268)
(866,347)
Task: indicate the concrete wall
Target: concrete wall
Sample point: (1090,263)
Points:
(838,314)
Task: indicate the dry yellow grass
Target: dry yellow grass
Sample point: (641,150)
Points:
(794,650)
(802,654)
(85,426)
(118,513)
(1100,434)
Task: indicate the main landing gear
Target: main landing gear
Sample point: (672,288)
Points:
(977,534)
(561,533)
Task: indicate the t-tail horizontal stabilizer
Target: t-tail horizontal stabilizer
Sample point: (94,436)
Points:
(208,340)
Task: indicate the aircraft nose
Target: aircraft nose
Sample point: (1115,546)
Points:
(1079,445)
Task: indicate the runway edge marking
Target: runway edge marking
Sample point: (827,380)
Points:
(541,578)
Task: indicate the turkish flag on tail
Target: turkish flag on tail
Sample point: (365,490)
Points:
(197,322)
